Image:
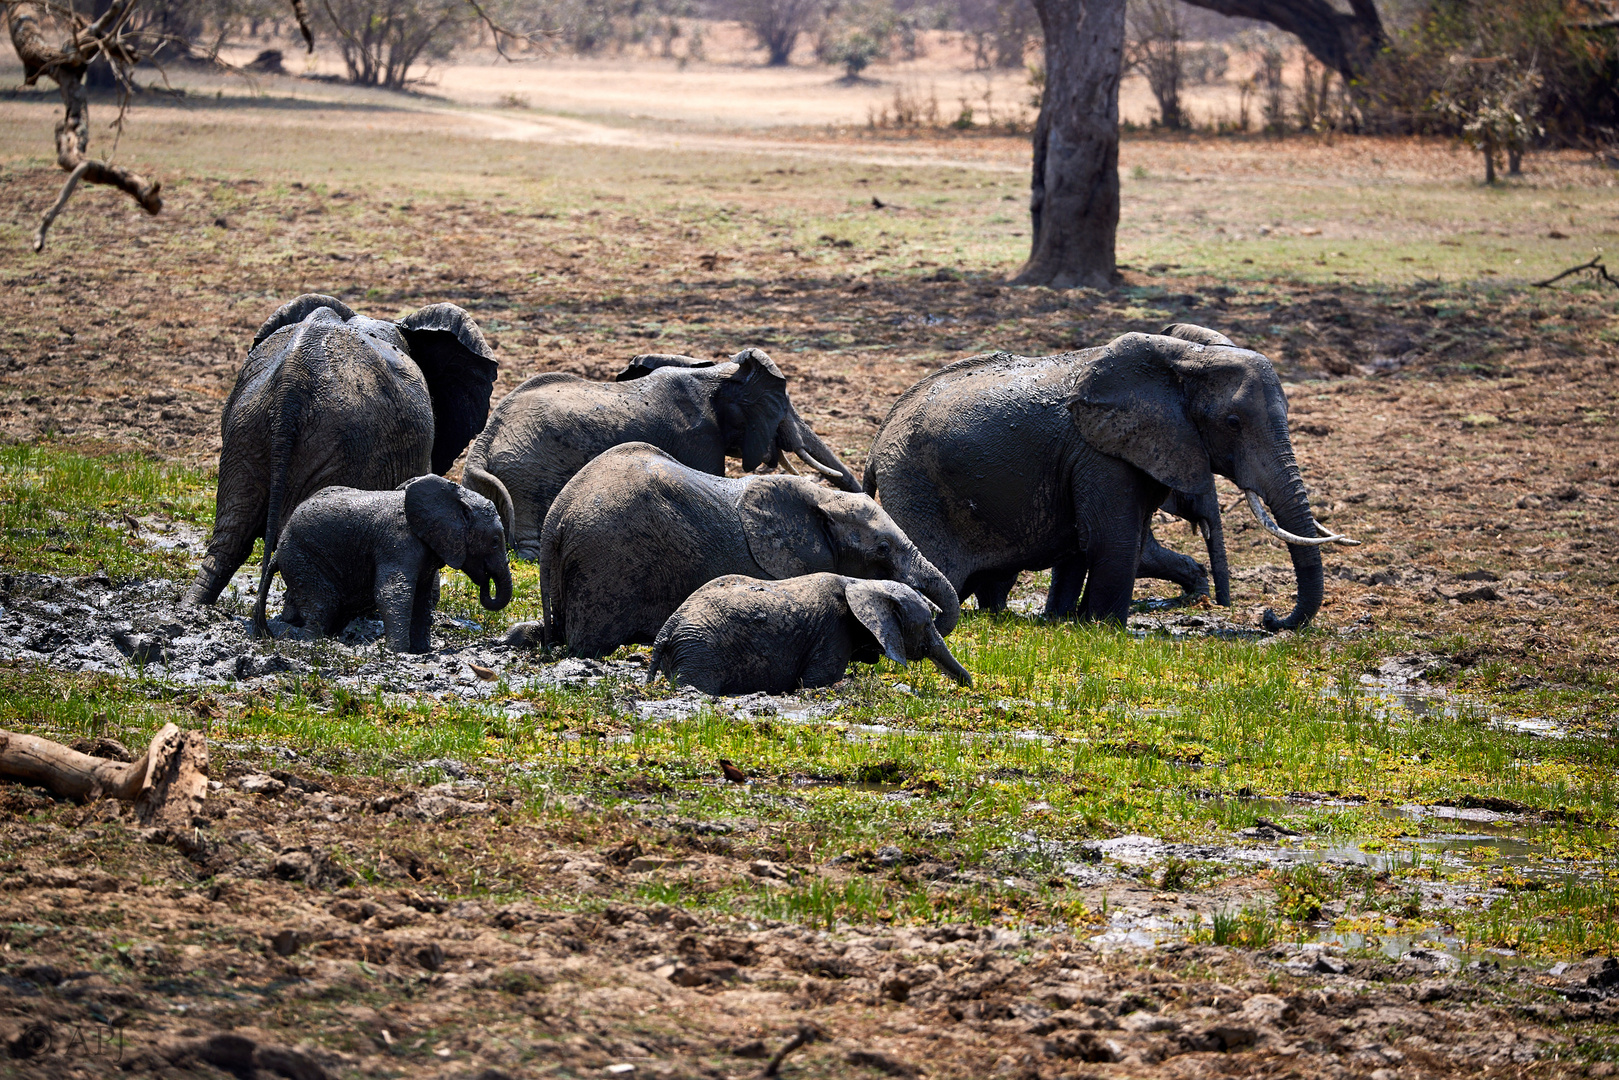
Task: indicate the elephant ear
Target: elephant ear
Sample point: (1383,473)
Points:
(645,364)
(785,526)
(436,514)
(460,371)
(1131,403)
(1202,335)
(880,607)
(296,311)
(764,406)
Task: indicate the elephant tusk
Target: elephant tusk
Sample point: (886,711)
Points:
(1268,523)
(786,465)
(1324,531)
(825,470)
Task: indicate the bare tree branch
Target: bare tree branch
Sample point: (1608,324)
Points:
(1594,264)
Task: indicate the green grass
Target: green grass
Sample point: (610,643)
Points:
(63,512)
(1070,732)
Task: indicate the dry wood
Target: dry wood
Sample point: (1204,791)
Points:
(167,784)
(1594,264)
(66,65)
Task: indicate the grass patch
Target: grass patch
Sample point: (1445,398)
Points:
(67,512)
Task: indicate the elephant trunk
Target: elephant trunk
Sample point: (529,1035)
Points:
(502,578)
(1291,506)
(945,661)
(926,579)
(802,441)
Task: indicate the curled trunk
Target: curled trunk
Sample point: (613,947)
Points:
(502,579)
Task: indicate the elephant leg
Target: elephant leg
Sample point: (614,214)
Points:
(1067,581)
(424,604)
(238,523)
(396,592)
(1111,581)
(991,588)
(1160,562)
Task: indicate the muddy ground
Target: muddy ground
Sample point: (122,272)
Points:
(302,930)
(341,925)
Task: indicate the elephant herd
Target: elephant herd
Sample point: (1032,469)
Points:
(339,429)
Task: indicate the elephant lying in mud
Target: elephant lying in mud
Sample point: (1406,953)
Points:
(327,397)
(740,635)
(346,553)
(999,463)
(636,532)
(546,430)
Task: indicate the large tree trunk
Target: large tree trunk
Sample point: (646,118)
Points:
(1347,43)
(1074,197)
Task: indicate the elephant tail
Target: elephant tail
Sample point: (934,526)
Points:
(261,622)
(655,664)
(869,481)
(490,487)
(288,423)
(553,607)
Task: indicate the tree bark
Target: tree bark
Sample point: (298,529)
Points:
(1347,43)
(1074,196)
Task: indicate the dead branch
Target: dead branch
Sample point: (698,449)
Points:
(1594,264)
(66,65)
(499,32)
(167,785)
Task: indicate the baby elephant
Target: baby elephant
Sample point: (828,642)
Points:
(345,553)
(741,635)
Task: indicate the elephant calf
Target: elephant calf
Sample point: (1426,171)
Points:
(346,553)
(740,635)
(635,533)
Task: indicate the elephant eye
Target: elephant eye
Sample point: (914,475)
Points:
(1233,422)
(882,547)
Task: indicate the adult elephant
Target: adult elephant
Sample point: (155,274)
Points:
(330,398)
(636,532)
(546,430)
(1001,463)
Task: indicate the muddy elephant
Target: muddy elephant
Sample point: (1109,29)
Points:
(546,430)
(346,553)
(635,533)
(327,397)
(1001,463)
(740,635)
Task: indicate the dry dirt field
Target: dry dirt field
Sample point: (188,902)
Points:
(350,921)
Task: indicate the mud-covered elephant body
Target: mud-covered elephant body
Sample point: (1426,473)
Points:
(547,429)
(742,635)
(330,398)
(635,533)
(345,553)
(1001,463)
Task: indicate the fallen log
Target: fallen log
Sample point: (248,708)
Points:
(166,785)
